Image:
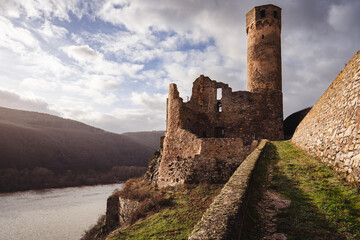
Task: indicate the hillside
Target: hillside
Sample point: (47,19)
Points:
(150,139)
(29,139)
(292,121)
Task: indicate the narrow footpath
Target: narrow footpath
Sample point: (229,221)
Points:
(294,196)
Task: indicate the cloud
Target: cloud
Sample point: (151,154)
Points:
(156,102)
(10,8)
(14,100)
(39,84)
(93,61)
(119,120)
(82,53)
(16,39)
(343,17)
(33,9)
(50,31)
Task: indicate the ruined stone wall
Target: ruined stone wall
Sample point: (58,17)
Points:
(204,143)
(223,219)
(331,130)
(213,160)
(218,159)
(179,146)
(180,149)
(243,114)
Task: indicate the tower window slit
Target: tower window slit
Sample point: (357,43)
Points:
(262,13)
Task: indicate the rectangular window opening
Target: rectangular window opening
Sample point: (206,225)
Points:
(219,94)
(262,13)
(219,132)
(275,14)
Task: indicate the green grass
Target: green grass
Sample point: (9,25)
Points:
(323,205)
(177,221)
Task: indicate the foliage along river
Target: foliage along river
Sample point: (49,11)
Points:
(63,213)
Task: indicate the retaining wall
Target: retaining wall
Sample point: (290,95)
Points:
(223,218)
(331,130)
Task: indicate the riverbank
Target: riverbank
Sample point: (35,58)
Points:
(13,180)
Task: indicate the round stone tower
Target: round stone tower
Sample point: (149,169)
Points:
(263,29)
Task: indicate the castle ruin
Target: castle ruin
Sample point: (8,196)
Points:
(210,135)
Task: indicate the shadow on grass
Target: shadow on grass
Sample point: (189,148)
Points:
(301,220)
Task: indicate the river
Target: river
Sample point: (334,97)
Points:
(63,213)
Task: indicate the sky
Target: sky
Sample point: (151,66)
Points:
(108,63)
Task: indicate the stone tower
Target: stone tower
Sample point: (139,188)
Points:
(263,29)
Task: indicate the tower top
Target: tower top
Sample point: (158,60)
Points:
(263,29)
(262,13)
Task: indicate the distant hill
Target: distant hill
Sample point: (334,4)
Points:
(150,139)
(30,139)
(292,121)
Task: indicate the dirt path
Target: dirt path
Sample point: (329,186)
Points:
(268,207)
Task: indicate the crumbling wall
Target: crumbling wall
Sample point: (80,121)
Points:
(209,136)
(180,149)
(331,130)
(218,159)
(223,218)
(239,114)
(194,160)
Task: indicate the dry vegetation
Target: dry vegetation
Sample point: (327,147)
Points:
(169,213)
(175,220)
(150,199)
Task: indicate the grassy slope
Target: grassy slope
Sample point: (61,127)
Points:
(177,221)
(323,206)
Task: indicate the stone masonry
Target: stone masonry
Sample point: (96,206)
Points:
(331,130)
(210,135)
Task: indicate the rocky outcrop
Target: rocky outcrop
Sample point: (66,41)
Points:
(118,211)
(152,173)
(331,130)
(126,207)
(112,212)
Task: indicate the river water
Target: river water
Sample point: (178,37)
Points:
(52,214)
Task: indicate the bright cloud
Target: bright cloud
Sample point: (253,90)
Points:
(14,100)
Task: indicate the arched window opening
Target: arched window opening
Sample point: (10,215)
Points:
(219,107)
